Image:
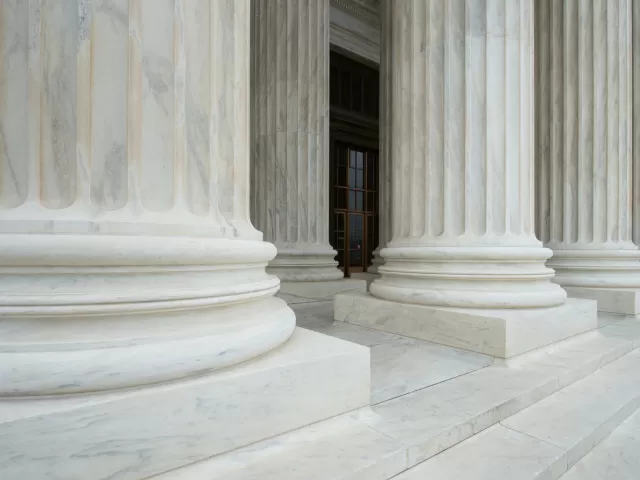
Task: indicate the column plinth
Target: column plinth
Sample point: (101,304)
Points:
(290,145)
(584,150)
(463,255)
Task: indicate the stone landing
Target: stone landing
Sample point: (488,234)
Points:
(501,333)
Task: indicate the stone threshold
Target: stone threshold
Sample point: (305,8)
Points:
(382,441)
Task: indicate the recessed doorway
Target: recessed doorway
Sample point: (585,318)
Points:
(354,163)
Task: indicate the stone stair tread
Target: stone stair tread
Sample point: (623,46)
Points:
(615,458)
(341,448)
(497,453)
(545,439)
(430,420)
(384,440)
(579,416)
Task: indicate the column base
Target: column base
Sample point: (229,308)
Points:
(369,276)
(304,292)
(305,264)
(624,301)
(136,433)
(498,332)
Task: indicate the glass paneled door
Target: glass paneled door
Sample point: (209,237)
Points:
(355,202)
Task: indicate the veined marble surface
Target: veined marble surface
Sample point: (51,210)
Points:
(115,119)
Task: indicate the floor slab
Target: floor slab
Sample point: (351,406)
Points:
(399,365)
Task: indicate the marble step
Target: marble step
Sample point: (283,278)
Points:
(393,436)
(433,419)
(545,439)
(615,458)
(342,448)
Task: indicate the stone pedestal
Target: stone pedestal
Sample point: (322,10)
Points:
(290,143)
(138,328)
(462,142)
(584,150)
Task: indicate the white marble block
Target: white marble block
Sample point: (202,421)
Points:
(135,433)
(498,332)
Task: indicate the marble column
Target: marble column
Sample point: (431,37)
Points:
(290,154)
(132,282)
(125,195)
(464,266)
(584,149)
(635,51)
(384,158)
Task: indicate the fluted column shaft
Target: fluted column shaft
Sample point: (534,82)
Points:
(290,143)
(384,157)
(584,143)
(124,196)
(635,51)
(462,144)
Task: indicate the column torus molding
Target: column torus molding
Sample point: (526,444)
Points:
(584,149)
(290,140)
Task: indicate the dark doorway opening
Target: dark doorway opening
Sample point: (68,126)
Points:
(354,162)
